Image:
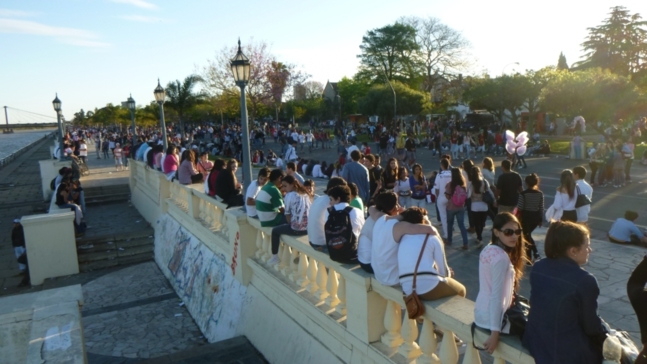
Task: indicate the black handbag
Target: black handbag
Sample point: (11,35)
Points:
(582,200)
(517,315)
(487,195)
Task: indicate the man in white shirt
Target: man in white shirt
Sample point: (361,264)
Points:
(585,189)
(317,218)
(253,190)
(291,152)
(339,198)
(443,178)
(351,148)
(388,229)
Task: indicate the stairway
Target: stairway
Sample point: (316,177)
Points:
(106,194)
(115,249)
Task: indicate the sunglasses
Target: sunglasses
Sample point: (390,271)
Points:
(509,232)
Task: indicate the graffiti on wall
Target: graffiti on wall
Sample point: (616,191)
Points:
(203,279)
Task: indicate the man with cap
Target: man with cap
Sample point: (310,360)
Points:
(18,243)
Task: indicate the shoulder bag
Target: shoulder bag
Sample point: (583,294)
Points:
(582,200)
(415,307)
(487,196)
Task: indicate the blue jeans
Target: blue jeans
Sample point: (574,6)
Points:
(460,216)
(320,248)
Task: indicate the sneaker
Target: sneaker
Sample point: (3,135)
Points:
(464,247)
(274,260)
(479,244)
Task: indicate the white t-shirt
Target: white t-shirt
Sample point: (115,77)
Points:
(316,234)
(585,189)
(496,281)
(384,252)
(443,178)
(366,242)
(83,150)
(351,149)
(316,171)
(433,265)
(252,191)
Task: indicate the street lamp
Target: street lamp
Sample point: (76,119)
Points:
(160,96)
(394,100)
(240,68)
(131,106)
(57,108)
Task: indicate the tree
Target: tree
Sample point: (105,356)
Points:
(379,101)
(536,81)
(351,91)
(181,97)
(496,95)
(561,62)
(442,52)
(619,44)
(313,89)
(388,50)
(596,94)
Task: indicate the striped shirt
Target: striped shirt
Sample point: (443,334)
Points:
(531,200)
(268,202)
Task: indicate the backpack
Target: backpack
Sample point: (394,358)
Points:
(459,196)
(340,240)
(52,185)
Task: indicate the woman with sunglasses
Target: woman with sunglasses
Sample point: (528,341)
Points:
(501,266)
(563,325)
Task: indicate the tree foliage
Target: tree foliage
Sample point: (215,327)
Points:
(619,44)
(561,62)
(379,101)
(181,96)
(388,51)
(351,91)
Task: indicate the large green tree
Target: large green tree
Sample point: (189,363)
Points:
(379,101)
(351,91)
(561,62)
(596,94)
(388,52)
(619,44)
(181,96)
(498,95)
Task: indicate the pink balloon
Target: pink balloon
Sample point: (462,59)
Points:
(511,143)
(523,134)
(522,141)
(510,148)
(509,135)
(521,150)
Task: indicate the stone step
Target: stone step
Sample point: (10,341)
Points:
(107,263)
(111,254)
(111,245)
(116,236)
(106,190)
(106,199)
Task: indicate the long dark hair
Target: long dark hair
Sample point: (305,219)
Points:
(474,175)
(418,177)
(298,187)
(567,183)
(457,178)
(392,171)
(517,254)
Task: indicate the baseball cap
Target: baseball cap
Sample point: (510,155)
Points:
(16,221)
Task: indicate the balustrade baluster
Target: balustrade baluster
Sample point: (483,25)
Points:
(286,260)
(259,243)
(332,288)
(267,247)
(312,276)
(300,276)
(409,349)
(322,280)
(277,267)
(341,294)
(471,355)
(428,344)
(392,323)
(293,267)
(448,349)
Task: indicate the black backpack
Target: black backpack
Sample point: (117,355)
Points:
(52,185)
(340,240)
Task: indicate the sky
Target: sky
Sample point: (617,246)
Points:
(94,52)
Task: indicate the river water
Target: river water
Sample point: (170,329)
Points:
(10,143)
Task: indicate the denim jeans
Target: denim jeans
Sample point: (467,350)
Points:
(460,216)
(320,248)
(285,229)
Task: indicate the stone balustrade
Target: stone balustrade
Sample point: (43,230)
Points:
(340,305)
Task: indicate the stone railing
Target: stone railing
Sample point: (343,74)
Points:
(342,306)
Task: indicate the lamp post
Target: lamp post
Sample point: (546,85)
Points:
(394,100)
(131,107)
(240,67)
(160,96)
(340,114)
(57,108)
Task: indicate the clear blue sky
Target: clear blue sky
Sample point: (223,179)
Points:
(97,51)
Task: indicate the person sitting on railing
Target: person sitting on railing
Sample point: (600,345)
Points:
(316,234)
(186,173)
(227,186)
(434,277)
(310,187)
(204,165)
(297,205)
(218,165)
(563,325)
(501,265)
(252,191)
(269,201)
(171,163)
(65,195)
(387,232)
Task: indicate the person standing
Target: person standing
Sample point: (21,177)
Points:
(410,146)
(628,154)
(508,187)
(583,188)
(455,209)
(531,206)
(355,172)
(118,154)
(83,151)
(477,187)
(443,178)
(566,197)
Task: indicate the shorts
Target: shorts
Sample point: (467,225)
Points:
(411,156)
(119,161)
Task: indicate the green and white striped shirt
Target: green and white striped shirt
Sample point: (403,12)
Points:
(268,202)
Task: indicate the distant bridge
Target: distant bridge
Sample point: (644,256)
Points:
(23,119)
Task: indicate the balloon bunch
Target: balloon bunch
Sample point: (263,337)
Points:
(517,145)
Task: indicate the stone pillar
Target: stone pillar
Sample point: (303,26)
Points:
(51,245)
(365,308)
(48,170)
